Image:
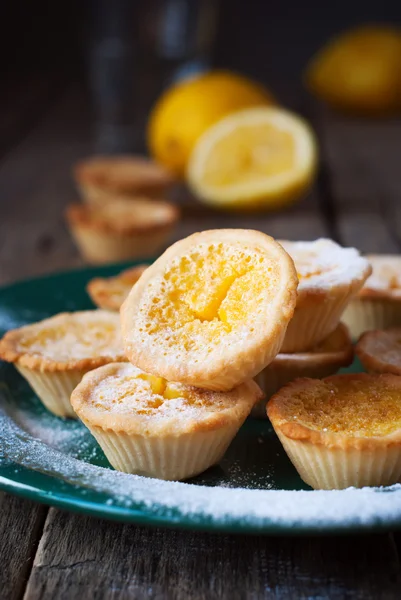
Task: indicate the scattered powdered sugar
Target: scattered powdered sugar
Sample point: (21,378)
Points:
(323,263)
(171,501)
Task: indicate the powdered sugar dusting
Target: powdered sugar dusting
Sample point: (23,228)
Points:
(77,335)
(122,388)
(323,263)
(225,507)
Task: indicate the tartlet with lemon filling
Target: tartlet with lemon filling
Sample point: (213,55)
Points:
(380,351)
(329,277)
(326,358)
(148,426)
(102,178)
(121,230)
(212,311)
(378,304)
(341,431)
(54,354)
(110,292)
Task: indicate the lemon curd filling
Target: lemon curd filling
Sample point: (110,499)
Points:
(360,407)
(213,291)
(148,395)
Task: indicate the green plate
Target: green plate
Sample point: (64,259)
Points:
(255,488)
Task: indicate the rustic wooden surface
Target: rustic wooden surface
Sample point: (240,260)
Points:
(50,554)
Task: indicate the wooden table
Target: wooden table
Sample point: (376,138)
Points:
(50,554)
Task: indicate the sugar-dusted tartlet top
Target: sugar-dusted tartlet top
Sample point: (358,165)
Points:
(68,340)
(123,173)
(336,347)
(211,307)
(110,292)
(121,397)
(353,406)
(323,264)
(385,279)
(141,215)
(380,350)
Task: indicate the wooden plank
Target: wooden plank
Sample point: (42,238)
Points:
(21,525)
(104,559)
(365,179)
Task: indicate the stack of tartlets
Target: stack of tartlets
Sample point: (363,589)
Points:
(316,343)
(165,385)
(124,215)
(345,430)
(197,326)
(199,323)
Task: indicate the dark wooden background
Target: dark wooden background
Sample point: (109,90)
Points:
(47,123)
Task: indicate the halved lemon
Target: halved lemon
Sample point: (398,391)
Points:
(359,71)
(254,158)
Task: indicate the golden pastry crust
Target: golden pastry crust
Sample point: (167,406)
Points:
(329,277)
(352,411)
(326,358)
(212,311)
(336,350)
(110,292)
(140,217)
(380,351)
(68,341)
(123,174)
(121,398)
(385,280)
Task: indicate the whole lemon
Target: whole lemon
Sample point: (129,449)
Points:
(190,107)
(360,70)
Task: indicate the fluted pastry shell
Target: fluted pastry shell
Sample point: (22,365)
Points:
(109,293)
(378,304)
(326,358)
(148,426)
(329,277)
(102,178)
(342,431)
(54,354)
(121,230)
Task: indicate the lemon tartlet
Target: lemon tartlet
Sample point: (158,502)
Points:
(110,292)
(329,277)
(104,177)
(341,431)
(213,310)
(326,358)
(54,354)
(378,304)
(121,230)
(148,426)
(380,351)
